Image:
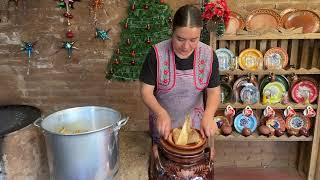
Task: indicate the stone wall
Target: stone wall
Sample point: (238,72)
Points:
(56,83)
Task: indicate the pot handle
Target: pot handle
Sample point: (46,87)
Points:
(38,121)
(121,123)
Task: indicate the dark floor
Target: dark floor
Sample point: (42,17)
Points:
(256,174)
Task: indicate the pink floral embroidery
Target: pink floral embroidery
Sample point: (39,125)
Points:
(166,63)
(201,80)
(166,72)
(165,81)
(201,71)
(202,61)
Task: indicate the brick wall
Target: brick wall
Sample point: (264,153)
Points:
(54,84)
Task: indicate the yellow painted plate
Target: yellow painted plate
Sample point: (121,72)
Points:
(275,90)
(249,59)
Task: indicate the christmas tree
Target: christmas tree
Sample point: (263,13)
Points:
(148,23)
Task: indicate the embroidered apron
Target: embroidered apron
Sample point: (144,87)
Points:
(180,91)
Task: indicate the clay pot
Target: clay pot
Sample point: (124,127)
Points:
(264,130)
(292,132)
(226,130)
(246,132)
(304,132)
(278,132)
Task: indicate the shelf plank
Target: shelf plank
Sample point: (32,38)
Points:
(267,72)
(270,36)
(255,137)
(238,105)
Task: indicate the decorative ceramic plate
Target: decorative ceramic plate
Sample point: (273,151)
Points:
(280,78)
(276,58)
(236,22)
(309,20)
(249,94)
(226,92)
(238,84)
(263,19)
(249,59)
(276,122)
(297,121)
(276,91)
(225,58)
(303,89)
(241,121)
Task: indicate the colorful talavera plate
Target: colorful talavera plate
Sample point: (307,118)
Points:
(249,94)
(276,90)
(241,121)
(225,58)
(249,59)
(276,58)
(302,89)
(297,121)
(280,78)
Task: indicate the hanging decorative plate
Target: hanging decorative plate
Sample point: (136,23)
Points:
(236,22)
(238,84)
(309,20)
(263,19)
(241,121)
(297,121)
(280,78)
(226,92)
(276,90)
(304,89)
(225,58)
(249,94)
(249,59)
(276,58)
(276,122)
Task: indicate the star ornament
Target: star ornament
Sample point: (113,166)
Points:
(69,46)
(102,34)
(28,48)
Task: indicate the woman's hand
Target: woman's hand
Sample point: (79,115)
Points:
(164,124)
(208,126)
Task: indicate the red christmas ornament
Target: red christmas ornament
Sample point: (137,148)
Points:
(126,26)
(148,27)
(133,53)
(69,34)
(133,62)
(162,1)
(148,41)
(116,61)
(133,7)
(145,6)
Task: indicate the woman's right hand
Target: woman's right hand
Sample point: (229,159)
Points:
(164,124)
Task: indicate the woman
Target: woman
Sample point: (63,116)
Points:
(175,75)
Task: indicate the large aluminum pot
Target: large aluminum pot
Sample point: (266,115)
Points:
(92,153)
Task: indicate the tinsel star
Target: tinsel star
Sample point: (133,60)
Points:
(28,47)
(102,34)
(68,45)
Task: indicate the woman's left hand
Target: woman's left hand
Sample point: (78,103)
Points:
(208,126)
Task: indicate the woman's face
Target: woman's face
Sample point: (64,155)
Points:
(185,40)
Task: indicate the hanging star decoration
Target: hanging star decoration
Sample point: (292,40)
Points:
(102,34)
(69,46)
(28,47)
(63,3)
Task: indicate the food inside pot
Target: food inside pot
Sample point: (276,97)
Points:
(186,135)
(66,131)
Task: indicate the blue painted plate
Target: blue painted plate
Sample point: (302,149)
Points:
(241,121)
(225,58)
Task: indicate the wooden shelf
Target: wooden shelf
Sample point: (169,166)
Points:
(267,72)
(270,36)
(255,137)
(262,106)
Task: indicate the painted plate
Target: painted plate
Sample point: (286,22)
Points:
(249,94)
(276,58)
(309,20)
(280,78)
(302,89)
(225,58)
(241,121)
(276,122)
(249,59)
(226,92)
(276,90)
(263,19)
(236,22)
(297,121)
